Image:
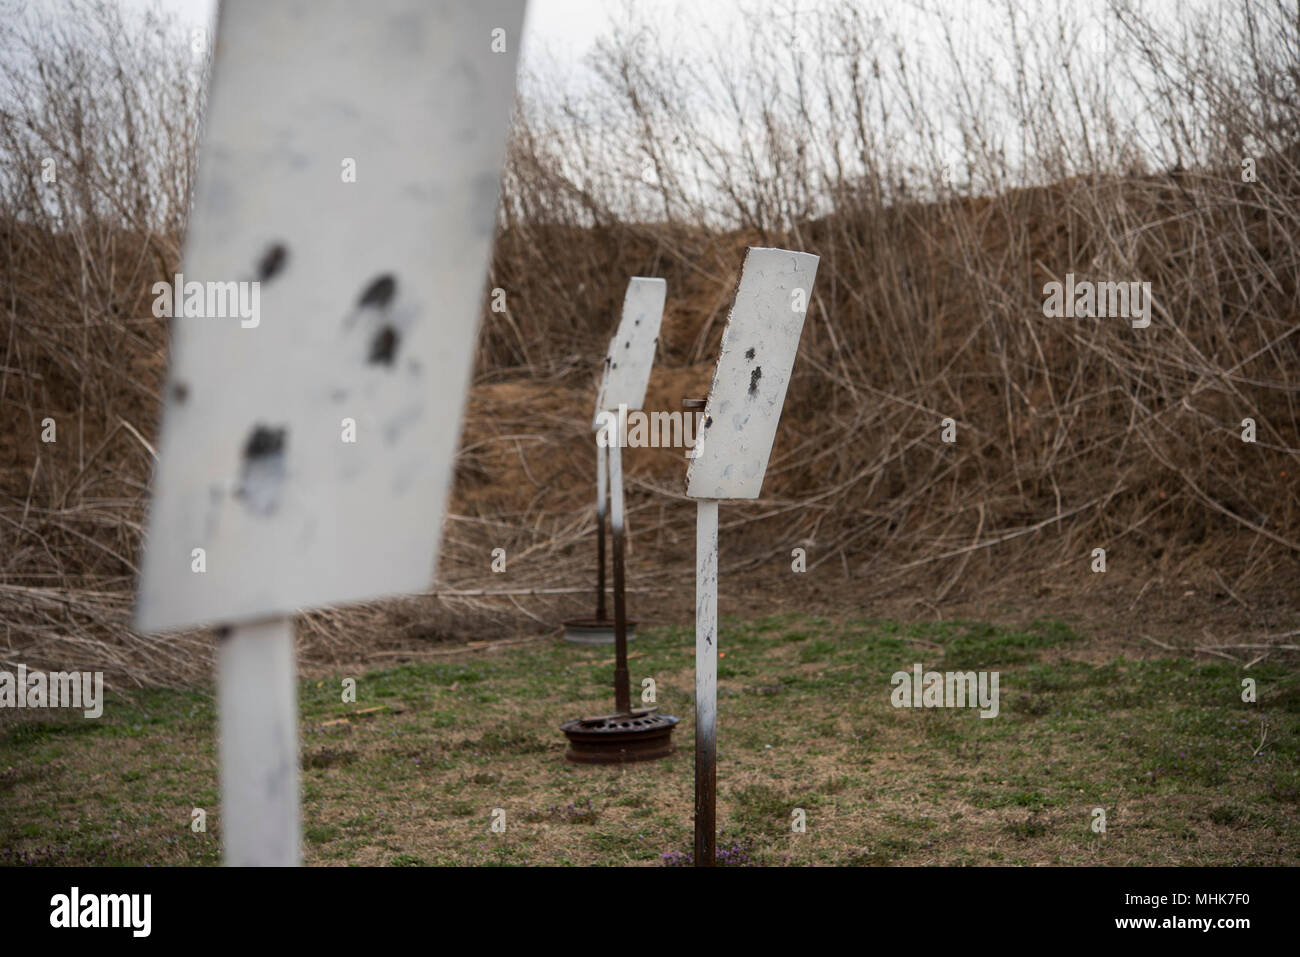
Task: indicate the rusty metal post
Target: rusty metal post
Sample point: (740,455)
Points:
(706,680)
(622,696)
(626,735)
(601,496)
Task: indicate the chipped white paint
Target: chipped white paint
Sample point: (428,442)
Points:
(632,350)
(257,705)
(602,466)
(706,680)
(615,452)
(749,385)
(706,631)
(368,303)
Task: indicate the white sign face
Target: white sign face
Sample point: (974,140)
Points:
(332,279)
(758,349)
(631,352)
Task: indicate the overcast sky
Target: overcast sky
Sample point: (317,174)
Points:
(558,34)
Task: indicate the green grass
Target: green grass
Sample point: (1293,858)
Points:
(1165,746)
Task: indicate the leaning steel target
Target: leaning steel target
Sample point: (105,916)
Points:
(730,459)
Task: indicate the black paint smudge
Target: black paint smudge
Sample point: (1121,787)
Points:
(383,347)
(753,380)
(749,353)
(379,293)
(263,442)
(272,262)
(263,470)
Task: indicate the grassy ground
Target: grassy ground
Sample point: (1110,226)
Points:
(411,772)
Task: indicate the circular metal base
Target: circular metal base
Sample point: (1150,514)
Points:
(617,738)
(595,631)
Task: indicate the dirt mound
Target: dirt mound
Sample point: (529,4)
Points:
(1070,434)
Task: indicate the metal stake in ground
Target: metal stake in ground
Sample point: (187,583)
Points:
(706,679)
(602,495)
(622,698)
(341,226)
(730,459)
(629,734)
(257,700)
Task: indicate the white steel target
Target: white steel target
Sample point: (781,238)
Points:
(356,300)
(732,449)
(368,293)
(631,353)
(753,372)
